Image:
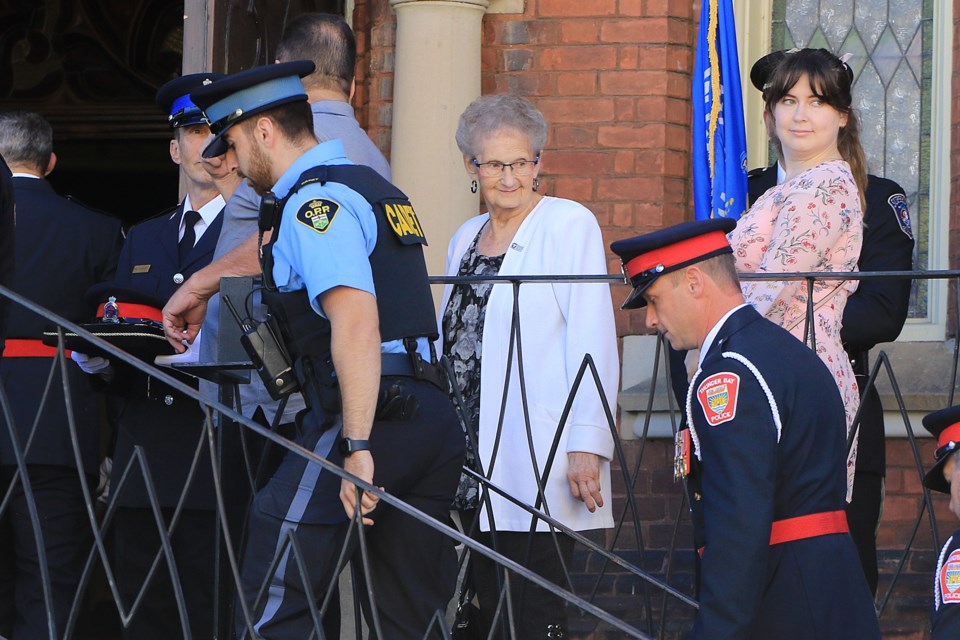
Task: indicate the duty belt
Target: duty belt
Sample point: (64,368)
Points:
(22,348)
(401,364)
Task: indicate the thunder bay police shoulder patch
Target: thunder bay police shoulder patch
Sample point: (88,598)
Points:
(318,214)
(950,579)
(898,202)
(718,397)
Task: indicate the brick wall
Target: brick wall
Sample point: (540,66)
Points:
(613,79)
(375,28)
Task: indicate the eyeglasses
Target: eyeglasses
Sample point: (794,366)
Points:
(520,168)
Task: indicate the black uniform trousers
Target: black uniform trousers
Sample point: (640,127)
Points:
(866,504)
(194,551)
(412,566)
(67,539)
(55,483)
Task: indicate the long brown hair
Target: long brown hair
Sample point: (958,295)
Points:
(830,79)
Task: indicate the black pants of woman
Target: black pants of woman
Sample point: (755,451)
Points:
(537,613)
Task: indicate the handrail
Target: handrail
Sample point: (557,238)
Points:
(613,553)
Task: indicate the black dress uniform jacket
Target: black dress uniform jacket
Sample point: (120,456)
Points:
(62,249)
(769,444)
(945,618)
(6,242)
(164,422)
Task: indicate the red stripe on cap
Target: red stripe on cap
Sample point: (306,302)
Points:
(678,252)
(948,435)
(131,310)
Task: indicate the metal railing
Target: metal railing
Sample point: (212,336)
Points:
(652,607)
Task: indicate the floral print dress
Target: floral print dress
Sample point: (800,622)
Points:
(812,222)
(462,338)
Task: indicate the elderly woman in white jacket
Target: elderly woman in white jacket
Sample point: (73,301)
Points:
(527,233)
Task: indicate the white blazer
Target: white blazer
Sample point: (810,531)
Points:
(559,323)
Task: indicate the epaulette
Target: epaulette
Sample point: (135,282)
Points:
(756,172)
(162,214)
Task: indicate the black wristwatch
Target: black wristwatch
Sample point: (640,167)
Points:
(350,445)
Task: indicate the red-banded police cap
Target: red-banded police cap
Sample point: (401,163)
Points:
(944,425)
(132,303)
(649,256)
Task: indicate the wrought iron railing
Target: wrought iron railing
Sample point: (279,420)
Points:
(639,602)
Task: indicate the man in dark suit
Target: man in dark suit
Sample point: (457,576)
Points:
(875,313)
(764,454)
(7,250)
(62,249)
(167,426)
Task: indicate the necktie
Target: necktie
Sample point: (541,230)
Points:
(190,219)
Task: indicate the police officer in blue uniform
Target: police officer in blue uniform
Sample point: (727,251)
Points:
(764,456)
(944,476)
(62,249)
(875,313)
(167,426)
(347,282)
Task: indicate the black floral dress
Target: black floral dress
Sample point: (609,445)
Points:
(462,336)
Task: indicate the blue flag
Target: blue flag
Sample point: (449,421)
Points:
(719,141)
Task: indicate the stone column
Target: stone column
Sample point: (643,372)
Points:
(436,75)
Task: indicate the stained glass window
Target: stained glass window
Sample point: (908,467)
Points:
(890,42)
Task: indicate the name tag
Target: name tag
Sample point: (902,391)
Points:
(141,268)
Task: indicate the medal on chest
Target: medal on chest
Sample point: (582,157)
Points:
(681,455)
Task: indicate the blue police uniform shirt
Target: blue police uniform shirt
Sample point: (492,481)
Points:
(337,256)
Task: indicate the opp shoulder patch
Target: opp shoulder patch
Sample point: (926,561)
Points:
(898,202)
(718,397)
(950,579)
(318,213)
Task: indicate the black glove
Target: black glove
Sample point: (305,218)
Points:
(395,404)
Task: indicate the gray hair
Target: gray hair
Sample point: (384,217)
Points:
(488,114)
(26,139)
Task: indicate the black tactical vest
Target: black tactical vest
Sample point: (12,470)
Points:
(404,301)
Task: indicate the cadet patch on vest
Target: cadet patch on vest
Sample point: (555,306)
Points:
(898,202)
(950,579)
(318,214)
(404,222)
(718,397)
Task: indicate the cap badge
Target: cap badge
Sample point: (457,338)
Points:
(111,310)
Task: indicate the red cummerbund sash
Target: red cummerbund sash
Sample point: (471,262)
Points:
(810,526)
(19,348)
